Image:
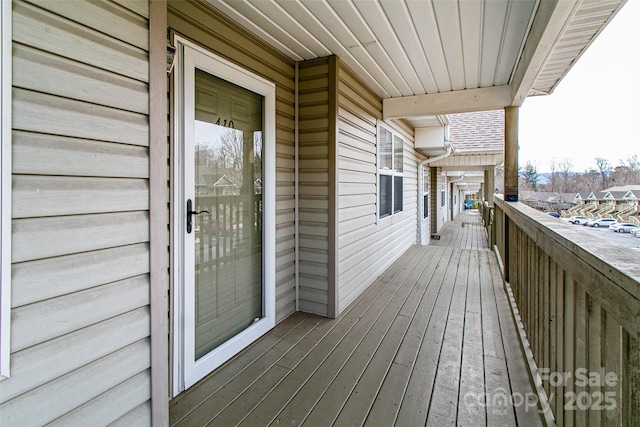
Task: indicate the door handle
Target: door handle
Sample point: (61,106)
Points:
(191,212)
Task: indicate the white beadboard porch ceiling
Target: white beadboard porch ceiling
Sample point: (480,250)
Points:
(430,57)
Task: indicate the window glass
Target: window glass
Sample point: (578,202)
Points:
(386,153)
(385,195)
(397,194)
(425,201)
(397,153)
(390,166)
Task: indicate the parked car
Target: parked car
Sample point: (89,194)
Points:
(581,220)
(623,227)
(554,214)
(601,222)
(636,233)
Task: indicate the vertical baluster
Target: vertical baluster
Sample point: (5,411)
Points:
(582,395)
(613,368)
(594,344)
(569,336)
(631,400)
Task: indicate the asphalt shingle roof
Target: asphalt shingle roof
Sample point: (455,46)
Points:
(482,130)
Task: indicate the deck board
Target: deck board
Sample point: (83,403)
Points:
(465,232)
(472,379)
(415,404)
(430,342)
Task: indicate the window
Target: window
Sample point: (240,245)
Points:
(425,212)
(425,193)
(390,164)
(5,186)
(443,190)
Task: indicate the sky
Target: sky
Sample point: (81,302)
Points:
(595,110)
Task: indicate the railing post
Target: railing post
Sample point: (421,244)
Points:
(505,254)
(511,154)
(489,184)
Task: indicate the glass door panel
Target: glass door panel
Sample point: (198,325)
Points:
(223,211)
(228,274)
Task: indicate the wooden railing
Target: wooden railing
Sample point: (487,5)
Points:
(577,299)
(231,224)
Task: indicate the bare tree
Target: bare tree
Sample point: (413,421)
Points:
(628,172)
(588,180)
(604,167)
(552,168)
(566,167)
(230,149)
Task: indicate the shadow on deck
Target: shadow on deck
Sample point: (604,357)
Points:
(431,342)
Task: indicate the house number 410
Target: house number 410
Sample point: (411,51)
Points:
(224,123)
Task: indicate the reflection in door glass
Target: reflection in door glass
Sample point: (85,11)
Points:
(228,184)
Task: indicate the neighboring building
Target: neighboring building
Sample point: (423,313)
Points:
(615,202)
(132,267)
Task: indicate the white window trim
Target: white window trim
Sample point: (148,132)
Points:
(393,173)
(5,185)
(186,373)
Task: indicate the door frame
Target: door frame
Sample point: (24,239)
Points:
(187,371)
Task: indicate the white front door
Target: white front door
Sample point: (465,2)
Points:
(224,172)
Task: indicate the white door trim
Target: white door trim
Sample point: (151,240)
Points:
(186,370)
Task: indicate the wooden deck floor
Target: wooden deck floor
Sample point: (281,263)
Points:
(465,231)
(431,342)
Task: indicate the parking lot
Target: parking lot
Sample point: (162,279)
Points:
(624,239)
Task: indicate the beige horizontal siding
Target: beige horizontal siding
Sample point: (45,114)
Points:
(128,395)
(52,277)
(313,185)
(140,7)
(139,417)
(46,320)
(76,157)
(53,196)
(80,350)
(367,246)
(56,398)
(41,29)
(195,21)
(36,238)
(43,113)
(51,359)
(58,76)
(105,17)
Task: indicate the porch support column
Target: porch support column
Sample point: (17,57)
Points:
(158,202)
(489,184)
(511,154)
